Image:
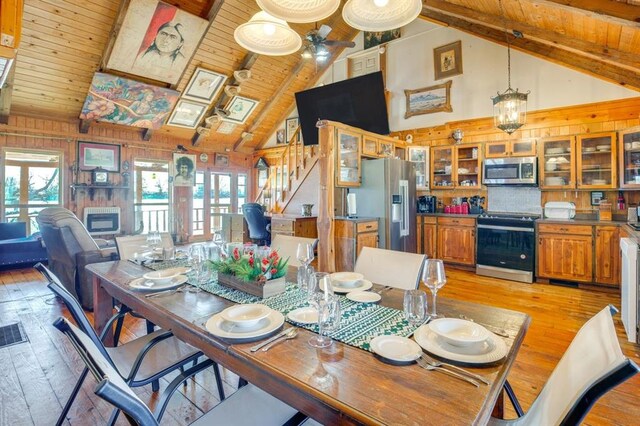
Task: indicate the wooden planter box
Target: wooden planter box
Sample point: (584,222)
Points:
(270,288)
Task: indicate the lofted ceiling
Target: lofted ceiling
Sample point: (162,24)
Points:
(63,43)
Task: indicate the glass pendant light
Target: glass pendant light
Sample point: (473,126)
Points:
(267,35)
(380,15)
(299,11)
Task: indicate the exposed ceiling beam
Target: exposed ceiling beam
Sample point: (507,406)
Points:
(6,91)
(594,67)
(606,10)
(580,47)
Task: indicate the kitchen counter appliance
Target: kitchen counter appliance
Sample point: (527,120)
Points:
(505,246)
(522,171)
(427,204)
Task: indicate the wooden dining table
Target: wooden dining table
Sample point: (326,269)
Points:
(341,384)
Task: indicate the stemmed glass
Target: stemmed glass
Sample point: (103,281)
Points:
(415,307)
(197,258)
(434,277)
(328,305)
(304,254)
(153,241)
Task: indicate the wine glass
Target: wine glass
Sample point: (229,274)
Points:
(304,254)
(434,277)
(316,291)
(329,315)
(153,241)
(197,257)
(415,307)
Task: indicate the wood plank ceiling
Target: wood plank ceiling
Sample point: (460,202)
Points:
(63,43)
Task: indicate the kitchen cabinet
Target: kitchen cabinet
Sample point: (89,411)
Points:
(515,148)
(557,163)
(456,240)
(348,158)
(377,148)
(455,166)
(596,161)
(351,235)
(234,228)
(426,228)
(293,225)
(629,155)
(607,255)
(420,156)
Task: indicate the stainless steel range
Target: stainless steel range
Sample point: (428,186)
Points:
(505,246)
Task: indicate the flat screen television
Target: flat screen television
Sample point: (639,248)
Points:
(358,102)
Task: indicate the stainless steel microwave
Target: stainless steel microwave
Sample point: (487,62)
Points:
(510,171)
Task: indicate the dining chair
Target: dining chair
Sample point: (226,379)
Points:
(592,365)
(130,245)
(287,246)
(248,406)
(140,361)
(259,228)
(391,268)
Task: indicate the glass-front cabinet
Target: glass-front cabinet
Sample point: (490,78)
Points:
(420,156)
(596,162)
(442,167)
(515,148)
(557,163)
(377,148)
(629,153)
(347,158)
(467,172)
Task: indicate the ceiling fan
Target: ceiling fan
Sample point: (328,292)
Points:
(316,43)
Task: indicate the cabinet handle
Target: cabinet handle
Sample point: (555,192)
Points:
(369,226)
(539,241)
(564,229)
(473,233)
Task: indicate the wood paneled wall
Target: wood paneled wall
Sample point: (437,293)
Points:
(62,136)
(574,120)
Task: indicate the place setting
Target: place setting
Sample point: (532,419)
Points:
(244,323)
(160,281)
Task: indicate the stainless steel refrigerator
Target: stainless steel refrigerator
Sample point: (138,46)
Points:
(388,192)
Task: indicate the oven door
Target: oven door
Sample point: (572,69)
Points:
(506,247)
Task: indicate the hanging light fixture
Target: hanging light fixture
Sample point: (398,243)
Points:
(299,11)
(267,35)
(380,15)
(509,107)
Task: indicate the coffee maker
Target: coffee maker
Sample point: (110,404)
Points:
(427,204)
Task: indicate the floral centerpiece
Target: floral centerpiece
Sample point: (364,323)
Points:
(260,276)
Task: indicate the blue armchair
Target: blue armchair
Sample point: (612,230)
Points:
(16,249)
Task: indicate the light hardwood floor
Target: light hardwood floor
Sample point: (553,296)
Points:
(36,377)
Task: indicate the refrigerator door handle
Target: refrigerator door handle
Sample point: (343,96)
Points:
(404,192)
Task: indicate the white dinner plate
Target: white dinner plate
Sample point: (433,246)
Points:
(306,315)
(361,286)
(228,330)
(364,296)
(396,348)
(245,315)
(143,284)
(491,350)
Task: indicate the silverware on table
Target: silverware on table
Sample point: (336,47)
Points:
(424,364)
(492,328)
(383,289)
(165,292)
(271,339)
(290,334)
(434,362)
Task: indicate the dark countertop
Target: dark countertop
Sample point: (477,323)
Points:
(356,218)
(473,216)
(588,222)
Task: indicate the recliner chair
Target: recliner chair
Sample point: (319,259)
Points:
(69,249)
(259,228)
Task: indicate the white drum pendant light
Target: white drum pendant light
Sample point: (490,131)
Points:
(267,35)
(299,11)
(380,15)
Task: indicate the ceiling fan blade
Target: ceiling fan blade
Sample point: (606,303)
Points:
(339,43)
(324,31)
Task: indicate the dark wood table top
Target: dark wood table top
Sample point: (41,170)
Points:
(340,384)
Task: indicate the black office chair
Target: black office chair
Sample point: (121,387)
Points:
(259,228)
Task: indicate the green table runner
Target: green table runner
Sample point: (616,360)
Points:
(360,322)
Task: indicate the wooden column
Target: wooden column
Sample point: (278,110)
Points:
(326,246)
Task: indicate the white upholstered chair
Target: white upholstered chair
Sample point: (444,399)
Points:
(592,365)
(391,268)
(287,246)
(130,245)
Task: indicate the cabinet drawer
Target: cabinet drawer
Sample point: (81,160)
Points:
(366,227)
(237,236)
(461,221)
(429,219)
(565,229)
(281,225)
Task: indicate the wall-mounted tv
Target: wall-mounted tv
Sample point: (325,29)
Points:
(358,102)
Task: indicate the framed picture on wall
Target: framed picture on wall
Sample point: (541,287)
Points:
(290,128)
(184,169)
(92,155)
(447,60)
(428,100)
(222,160)
(204,85)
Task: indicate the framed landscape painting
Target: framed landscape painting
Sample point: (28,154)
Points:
(239,109)
(428,100)
(204,85)
(156,40)
(118,100)
(187,114)
(92,155)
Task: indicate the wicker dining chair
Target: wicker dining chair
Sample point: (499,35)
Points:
(140,361)
(248,406)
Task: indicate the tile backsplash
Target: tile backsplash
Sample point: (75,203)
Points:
(514,199)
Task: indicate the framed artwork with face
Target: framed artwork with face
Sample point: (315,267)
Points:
(184,169)
(447,60)
(239,109)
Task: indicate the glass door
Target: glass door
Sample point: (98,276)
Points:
(441,167)
(557,163)
(420,156)
(597,160)
(629,151)
(467,166)
(347,158)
